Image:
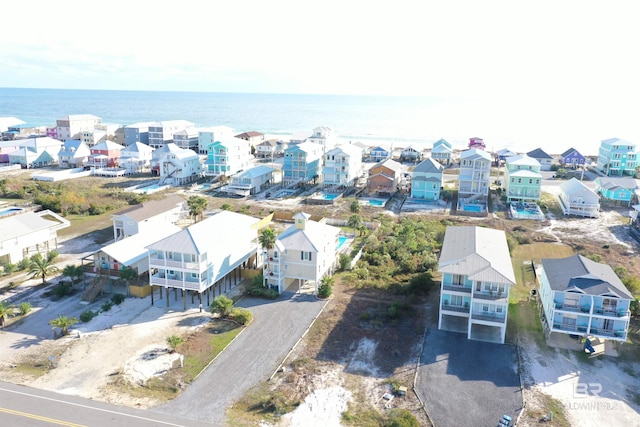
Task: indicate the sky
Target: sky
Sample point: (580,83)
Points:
(539,63)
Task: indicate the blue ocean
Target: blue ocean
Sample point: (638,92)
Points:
(395,120)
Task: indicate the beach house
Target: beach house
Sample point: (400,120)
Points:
(136,157)
(36,152)
(522,179)
(253,137)
(209,135)
(477,276)
(24,233)
(617,190)
(251,181)
(74,154)
(442,152)
(578,199)
(583,297)
(477,143)
(148,215)
(342,166)
(161,133)
(378,154)
(137,132)
(384,178)
(303,254)
(228,156)
(426,180)
(176,166)
(270,149)
(323,136)
(105,154)
(617,157)
(205,256)
(473,180)
(302,163)
(412,153)
(503,154)
(71,126)
(572,159)
(542,157)
(187,138)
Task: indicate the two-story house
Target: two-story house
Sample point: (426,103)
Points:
(304,253)
(204,256)
(36,152)
(270,149)
(147,215)
(542,157)
(384,178)
(583,297)
(73,154)
(136,157)
(426,180)
(251,181)
(617,157)
(522,180)
(473,181)
(302,163)
(228,156)
(578,199)
(442,151)
(572,159)
(105,154)
(379,154)
(342,166)
(617,190)
(477,276)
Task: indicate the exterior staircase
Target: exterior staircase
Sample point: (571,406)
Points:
(95,287)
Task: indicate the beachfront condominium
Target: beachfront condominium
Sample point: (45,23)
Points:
(161,133)
(617,157)
(71,126)
(522,180)
(477,275)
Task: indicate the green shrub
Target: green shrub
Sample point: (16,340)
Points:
(325,290)
(345,262)
(10,268)
(401,418)
(24,308)
(118,299)
(24,264)
(262,292)
(87,315)
(63,289)
(241,315)
(106,306)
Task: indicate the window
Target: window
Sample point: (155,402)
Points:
(456,300)
(306,256)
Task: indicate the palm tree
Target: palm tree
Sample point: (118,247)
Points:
(5,310)
(174,341)
(63,322)
(267,238)
(222,306)
(72,271)
(42,266)
(197,206)
(355,221)
(354,207)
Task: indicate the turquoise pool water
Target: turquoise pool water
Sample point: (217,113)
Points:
(9,211)
(377,202)
(341,241)
(329,196)
(472,208)
(148,189)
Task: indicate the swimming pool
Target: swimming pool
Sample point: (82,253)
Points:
(341,241)
(377,202)
(148,189)
(328,196)
(472,208)
(9,211)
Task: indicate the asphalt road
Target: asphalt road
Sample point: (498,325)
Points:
(22,406)
(249,359)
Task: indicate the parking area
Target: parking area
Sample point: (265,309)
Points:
(468,383)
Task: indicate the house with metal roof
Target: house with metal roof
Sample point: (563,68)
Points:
(617,157)
(542,157)
(578,199)
(426,180)
(384,178)
(342,166)
(148,215)
(36,152)
(303,254)
(617,190)
(522,179)
(228,156)
(175,165)
(378,154)
(477,276)
(442,152)
(136,157)
(473,180)
(205,256)
(251,181)
(302,163)
(24,233)
(572,159)
(583,297)
(104,154)
(73,154)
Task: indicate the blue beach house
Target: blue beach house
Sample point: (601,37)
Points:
(302,163)
(442,151)
(522,179)
(616,190)
(378,154)
(617,157)
(572,158)
(426,180)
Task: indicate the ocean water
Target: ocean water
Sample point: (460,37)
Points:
(396,120)
(385,120)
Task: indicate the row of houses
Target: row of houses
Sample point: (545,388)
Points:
(578,296)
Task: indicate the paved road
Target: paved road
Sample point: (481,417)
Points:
(27,407)
(466,383)
(249,359)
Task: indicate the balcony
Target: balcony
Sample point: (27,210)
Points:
(573,308)
(610,333)
(455,288)
(457,308)
(489,316)
(611,312)
(491,296)
(164,280)
(578,329)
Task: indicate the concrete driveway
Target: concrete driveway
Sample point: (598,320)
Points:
(468,383)
(249,359)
